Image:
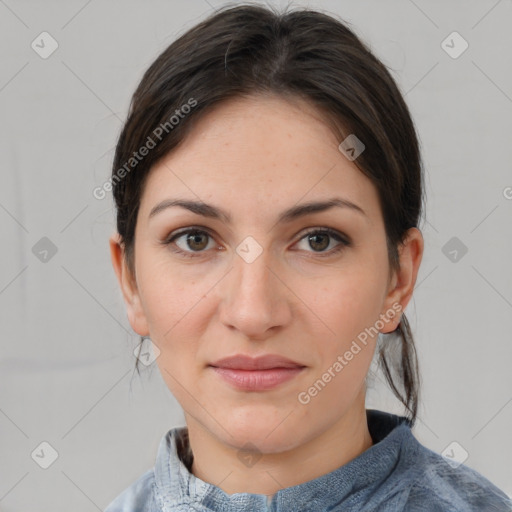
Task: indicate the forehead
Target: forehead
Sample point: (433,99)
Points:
(261,153)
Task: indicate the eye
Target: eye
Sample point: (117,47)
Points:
(321,239)
(193,242)
(190,241)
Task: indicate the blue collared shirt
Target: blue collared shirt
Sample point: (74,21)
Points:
(397,473)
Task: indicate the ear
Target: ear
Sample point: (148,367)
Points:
(128,285)
(403,280)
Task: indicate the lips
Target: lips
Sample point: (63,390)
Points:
(265,362)
(256,374)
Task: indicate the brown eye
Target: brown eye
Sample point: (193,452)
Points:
(324,242)
(319,241)
(190,241)
(197,241)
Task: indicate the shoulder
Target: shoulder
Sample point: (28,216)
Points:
(451,488)
(138,497)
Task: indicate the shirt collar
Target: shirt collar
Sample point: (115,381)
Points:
(175,485)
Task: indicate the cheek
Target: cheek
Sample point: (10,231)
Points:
(349,302)
(174,309)
(170,293)
(350,308)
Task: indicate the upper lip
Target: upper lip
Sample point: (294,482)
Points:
(265,362)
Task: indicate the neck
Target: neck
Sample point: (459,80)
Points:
(220,464)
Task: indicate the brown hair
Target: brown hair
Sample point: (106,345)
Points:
(249,49)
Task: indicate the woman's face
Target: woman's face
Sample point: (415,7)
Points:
(253,282)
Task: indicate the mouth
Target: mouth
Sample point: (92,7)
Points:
(256,374)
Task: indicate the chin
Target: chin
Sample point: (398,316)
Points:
(266,428)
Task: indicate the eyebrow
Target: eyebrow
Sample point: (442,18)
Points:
(295,212)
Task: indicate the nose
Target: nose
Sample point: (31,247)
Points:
(255,299)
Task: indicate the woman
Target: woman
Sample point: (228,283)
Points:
(268,187)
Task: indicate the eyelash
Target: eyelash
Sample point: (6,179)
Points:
(343,241)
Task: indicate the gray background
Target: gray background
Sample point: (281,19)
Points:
(66,360)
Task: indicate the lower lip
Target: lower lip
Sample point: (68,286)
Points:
(257,380)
